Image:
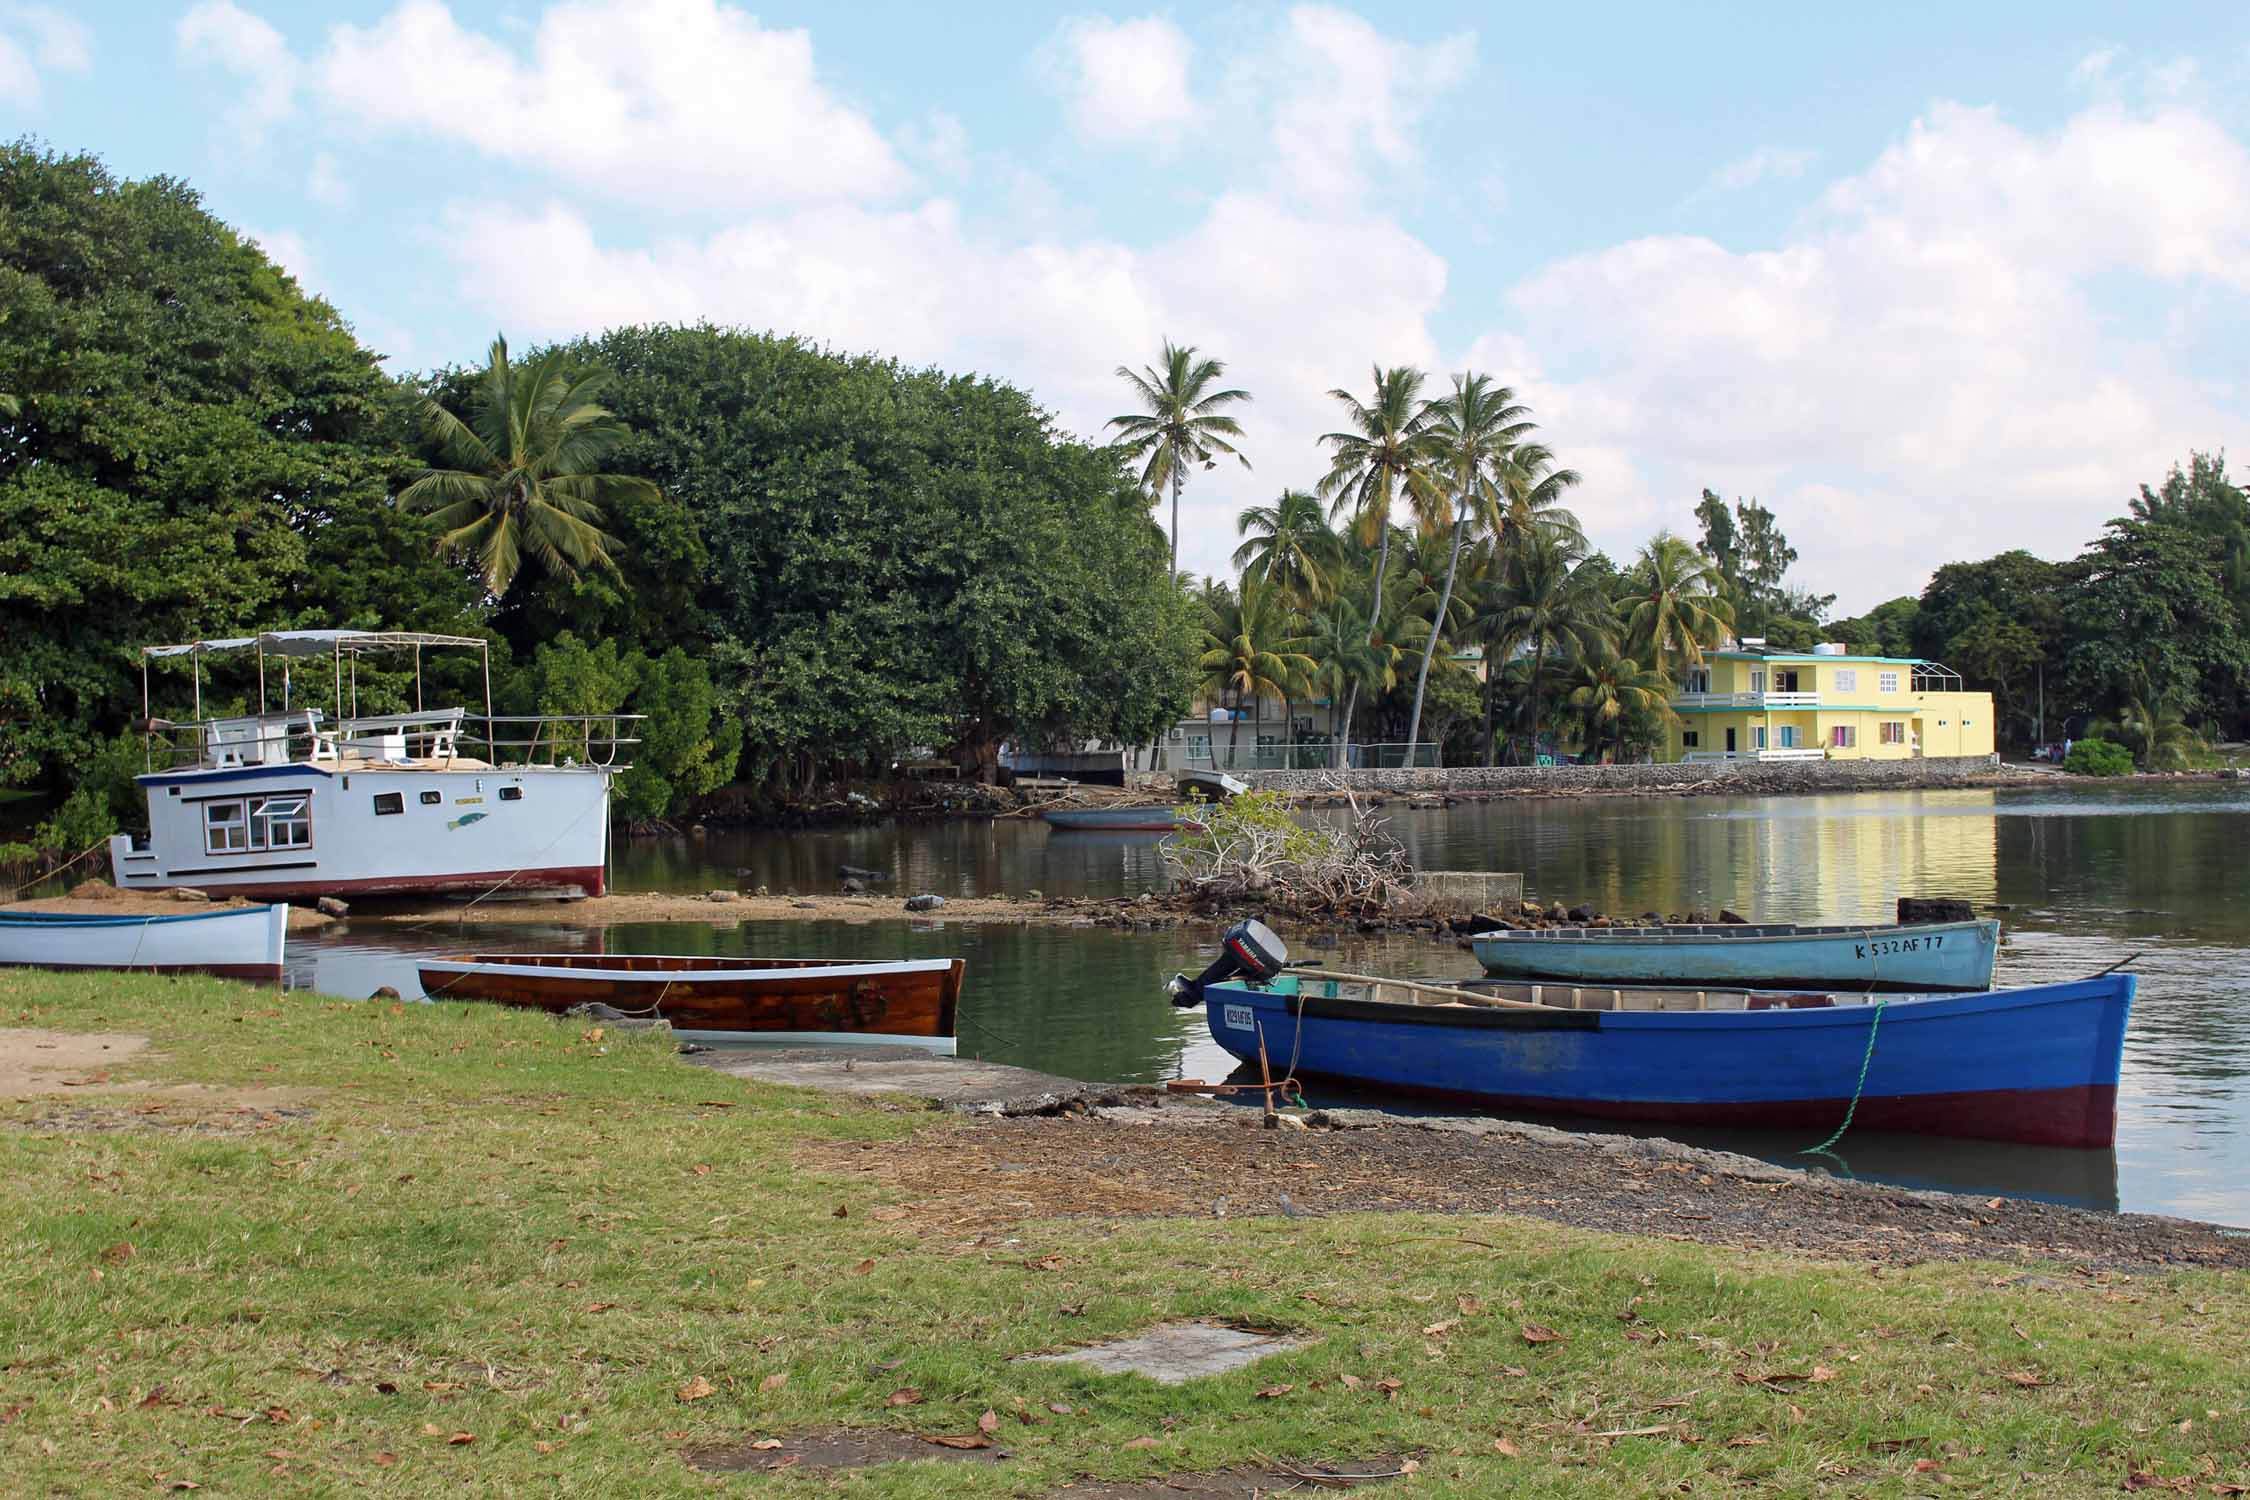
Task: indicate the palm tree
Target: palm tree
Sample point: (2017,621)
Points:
(1249,650)
(1612,694)
(1542,601)
(520,472)
(1182,423)
(1471,436)
(2152,726)
(1384,459)
(1290,546)
(1677,606)
(1530,496)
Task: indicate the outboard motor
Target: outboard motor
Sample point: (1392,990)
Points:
(1249,948)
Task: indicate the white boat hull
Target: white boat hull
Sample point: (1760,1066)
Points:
(373,832)
(242,943)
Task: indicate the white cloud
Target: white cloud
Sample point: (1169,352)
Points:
(940,142)
(1765,162)
(1350,99)
(683,101)
(1124,80)
(325,182)
(36,37)
(223,34)
(2092,70)
(1253,282)
(1926,372)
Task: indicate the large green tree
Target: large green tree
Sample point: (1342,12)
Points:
(895,560)
(200,449)
(1674,607)
(1289,545)
(1542,602)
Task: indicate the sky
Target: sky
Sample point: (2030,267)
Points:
(1931,281)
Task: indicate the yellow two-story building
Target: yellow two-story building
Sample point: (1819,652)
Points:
(1754,704)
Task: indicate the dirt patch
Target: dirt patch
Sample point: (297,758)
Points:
(985,1174)
(1250,1483)
(603,911)
(838,1448)
(43,1064)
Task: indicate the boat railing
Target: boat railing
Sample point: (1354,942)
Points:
(560,739)
(429,739)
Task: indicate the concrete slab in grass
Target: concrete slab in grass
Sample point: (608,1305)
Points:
(1173,1353)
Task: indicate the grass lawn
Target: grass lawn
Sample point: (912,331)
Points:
(485,1253)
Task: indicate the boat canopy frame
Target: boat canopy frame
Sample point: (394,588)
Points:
(343,649)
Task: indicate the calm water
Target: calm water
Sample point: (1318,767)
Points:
(2088,878)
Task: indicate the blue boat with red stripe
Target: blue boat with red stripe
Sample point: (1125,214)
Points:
(2037,1065)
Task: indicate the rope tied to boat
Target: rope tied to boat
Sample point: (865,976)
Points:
(1866,1061)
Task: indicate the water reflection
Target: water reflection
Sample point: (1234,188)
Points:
(2084,879)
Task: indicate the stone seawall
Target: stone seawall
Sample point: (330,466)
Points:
(1733,778)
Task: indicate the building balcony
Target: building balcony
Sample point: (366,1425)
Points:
(1756,702)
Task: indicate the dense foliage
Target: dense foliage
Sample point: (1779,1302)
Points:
(888,562)
(2098,758)
(195,448)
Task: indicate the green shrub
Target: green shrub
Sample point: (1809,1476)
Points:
(2099,758)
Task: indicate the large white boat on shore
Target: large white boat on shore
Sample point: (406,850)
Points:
(308,801)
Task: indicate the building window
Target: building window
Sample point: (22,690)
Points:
(1758,736)
(225,830)
(432,799)
(515,793)
(1758,681)
(1788,736)
(1893,732)
(1689,739)
(1886,682)
(387,803)
(1843,737)
(283,822)
(1847,679)
(1698,680)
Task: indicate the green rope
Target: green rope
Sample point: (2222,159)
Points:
(1853,1108)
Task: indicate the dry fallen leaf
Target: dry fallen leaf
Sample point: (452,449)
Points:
(385,1460)
(696,1390)
(1821,1372)
(2025,1378)
(121,1251)
(1271,1391)
(1350,1382)
(461,1439)
(1141,1442)
(904,1396)
(775,1381)
(766,1445)
(843,1211)
(1747,1441)
(1539,1333)
(1060,1408)
(701,1169)
(963,1440)
(1440,1330)
(863,1268)
(1506,1449)
(989,1422)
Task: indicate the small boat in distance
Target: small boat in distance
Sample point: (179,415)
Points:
(241,942)
(1115,819)
(1936,957)
(2037,1065)
(805,1001)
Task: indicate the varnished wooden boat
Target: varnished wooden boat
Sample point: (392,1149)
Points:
(806,1001)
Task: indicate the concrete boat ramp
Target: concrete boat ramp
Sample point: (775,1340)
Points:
(968,1085)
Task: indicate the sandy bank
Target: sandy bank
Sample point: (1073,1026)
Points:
(115,903)
(657,906)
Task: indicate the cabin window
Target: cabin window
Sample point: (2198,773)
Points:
(1886,682)
(432,799)
(1847,679)
(1690,738)
(515,793)
(283,822)
(225,830)
(1893,732)
(1843,737)
(387,803)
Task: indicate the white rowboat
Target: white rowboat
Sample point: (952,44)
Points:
(239,942)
